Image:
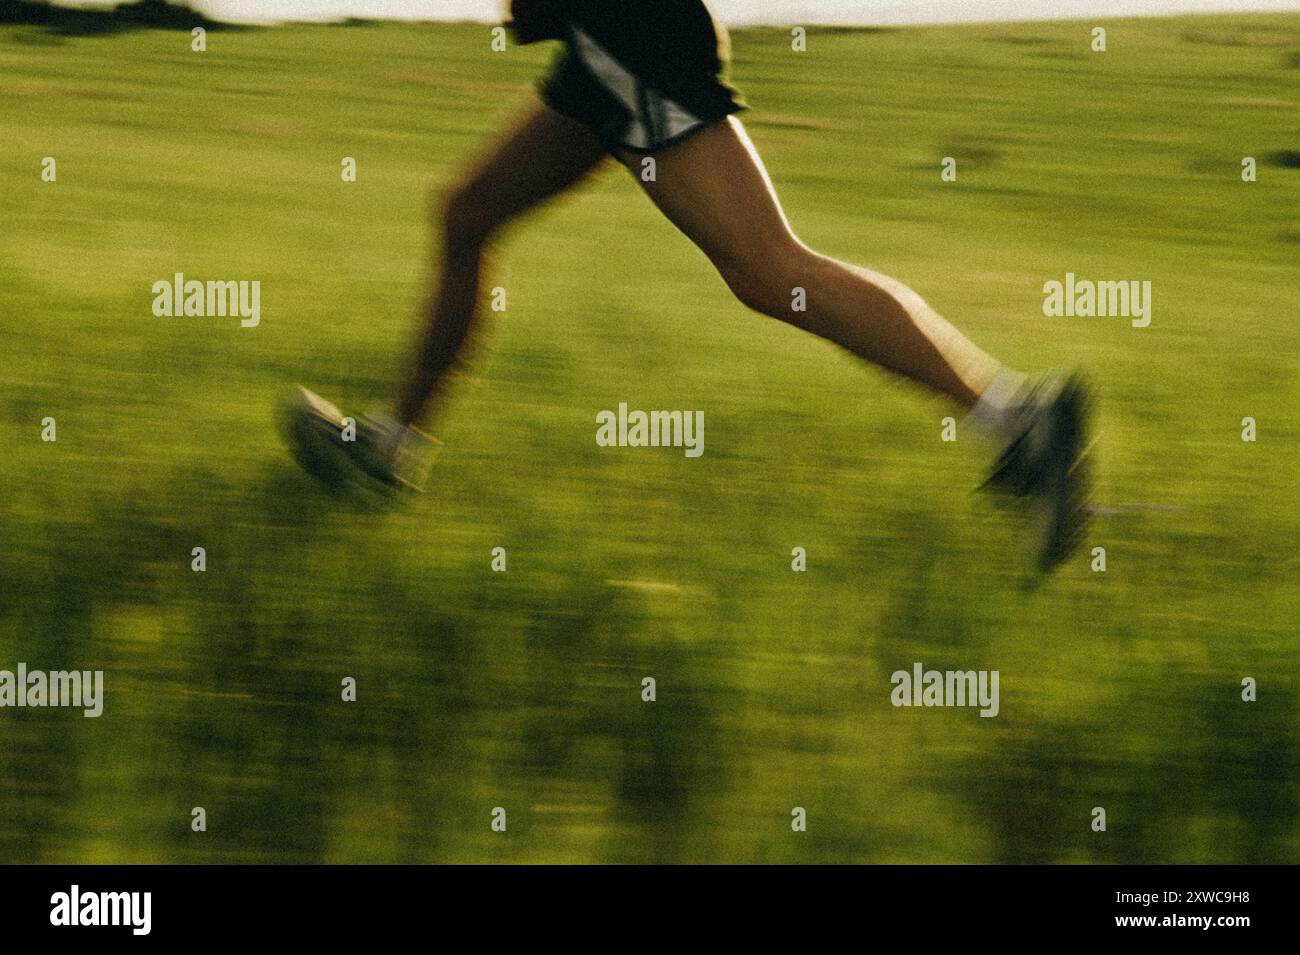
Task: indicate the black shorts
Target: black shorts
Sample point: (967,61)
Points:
(643,75)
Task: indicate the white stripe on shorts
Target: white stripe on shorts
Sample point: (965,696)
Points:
(623,85)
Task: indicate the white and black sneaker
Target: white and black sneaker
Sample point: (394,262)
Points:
(343,452)
(1047,463)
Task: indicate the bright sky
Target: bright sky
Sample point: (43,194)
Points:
(734,12)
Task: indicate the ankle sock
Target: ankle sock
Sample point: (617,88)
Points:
(996,413)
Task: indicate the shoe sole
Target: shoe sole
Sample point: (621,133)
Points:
(313,430)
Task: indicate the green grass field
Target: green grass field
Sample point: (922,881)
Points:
(522,689)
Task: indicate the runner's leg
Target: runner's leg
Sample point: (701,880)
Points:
(713,187)
(544,155)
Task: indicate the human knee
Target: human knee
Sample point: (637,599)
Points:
(768,278)
(466,217)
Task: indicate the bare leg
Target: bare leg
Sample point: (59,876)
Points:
(543,156)
(713,187)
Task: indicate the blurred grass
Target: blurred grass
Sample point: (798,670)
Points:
(522,689)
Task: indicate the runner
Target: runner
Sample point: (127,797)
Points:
(651,80)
